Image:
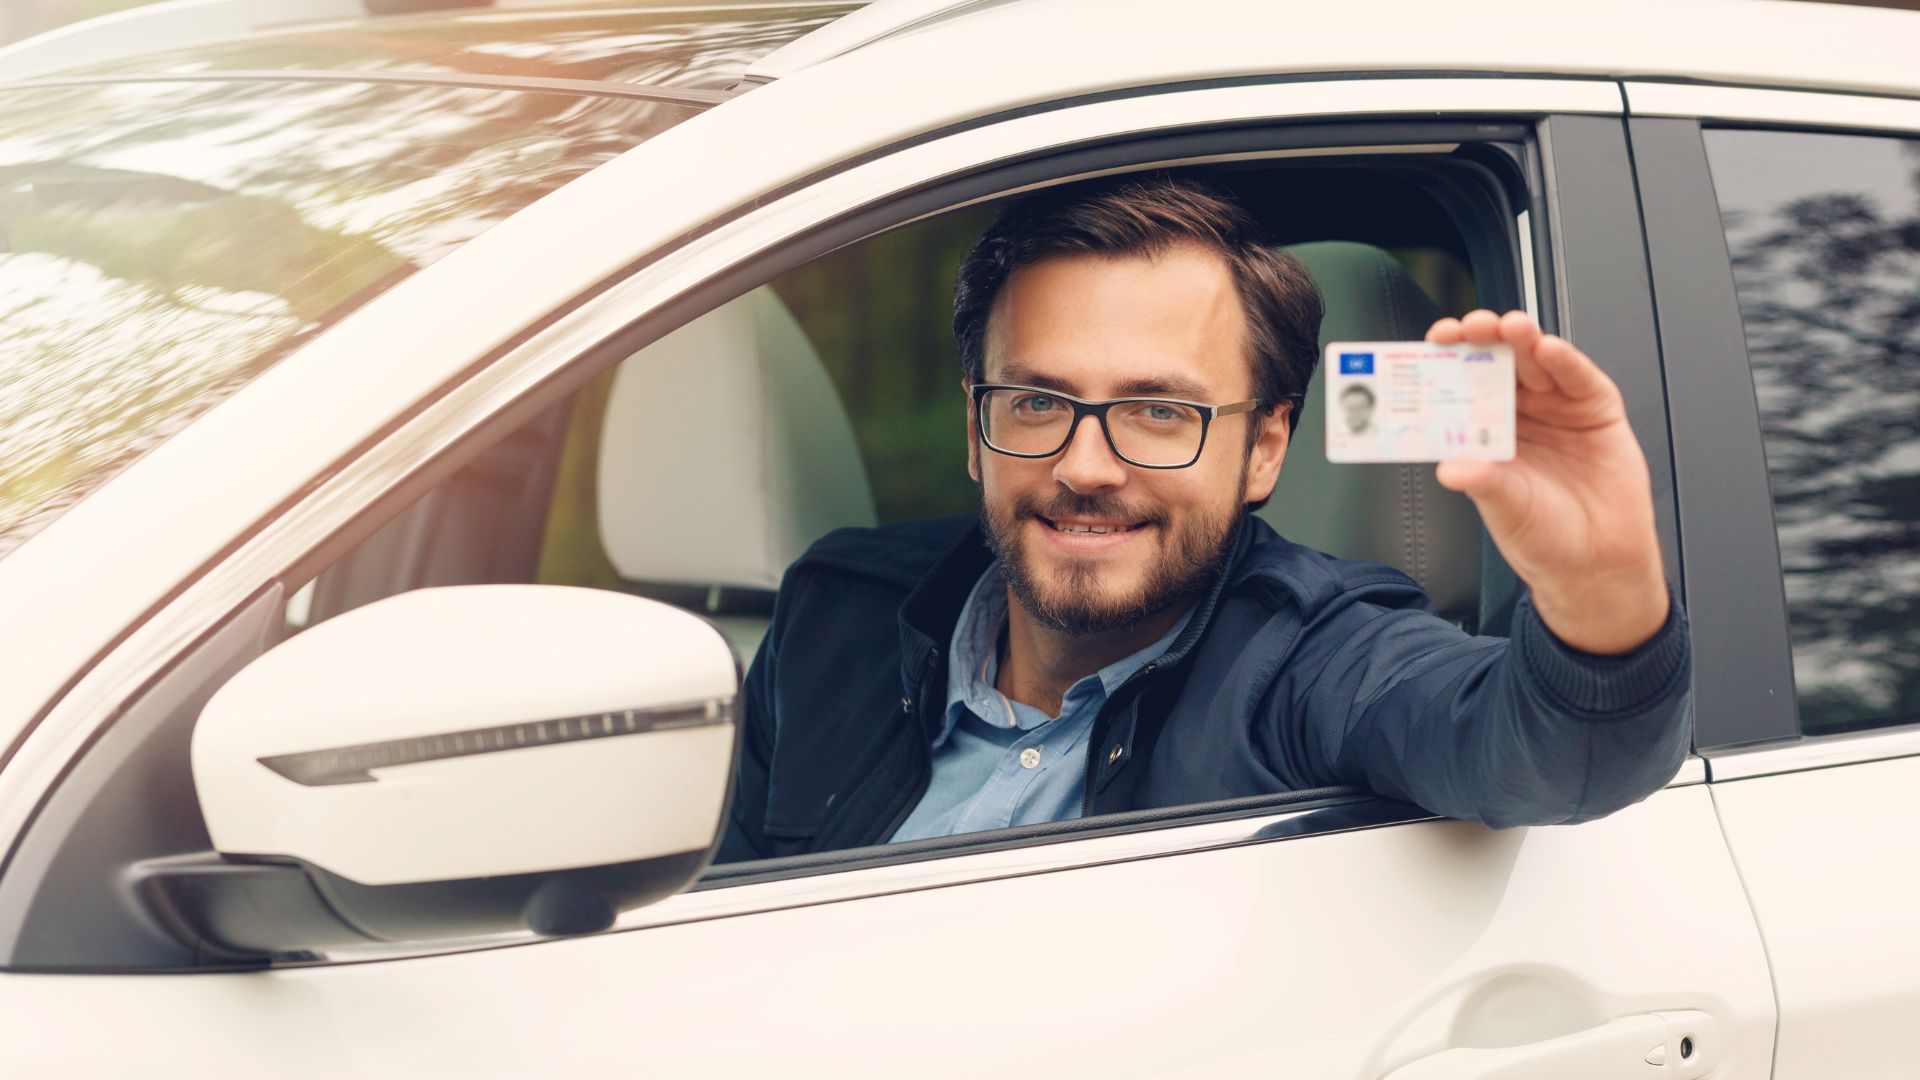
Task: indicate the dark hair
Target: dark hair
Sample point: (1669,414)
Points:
(1144,215)
(1358,388)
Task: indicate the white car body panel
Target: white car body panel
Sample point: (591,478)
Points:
(1133,42)
(1220,963)
(865,882)
(348,385)
(1828,859)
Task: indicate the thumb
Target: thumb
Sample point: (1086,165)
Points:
(1495,487)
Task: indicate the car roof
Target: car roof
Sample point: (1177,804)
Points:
(1779,43)
(1771,43)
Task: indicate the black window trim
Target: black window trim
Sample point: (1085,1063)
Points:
(1743,665)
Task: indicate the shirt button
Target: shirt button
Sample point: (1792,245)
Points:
(1113,755)
(1030,758)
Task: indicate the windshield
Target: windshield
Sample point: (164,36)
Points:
(673,45)
(163,243)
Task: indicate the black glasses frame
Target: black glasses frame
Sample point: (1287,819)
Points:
(1082,408)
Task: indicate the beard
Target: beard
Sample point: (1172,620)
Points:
(1071,600)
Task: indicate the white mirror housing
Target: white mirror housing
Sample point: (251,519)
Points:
(474,759)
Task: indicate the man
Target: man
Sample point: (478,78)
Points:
(1117,631)
(1356,405)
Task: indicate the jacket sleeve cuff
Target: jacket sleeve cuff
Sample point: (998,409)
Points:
(1604,686)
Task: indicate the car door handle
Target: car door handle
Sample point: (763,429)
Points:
(1653,1046)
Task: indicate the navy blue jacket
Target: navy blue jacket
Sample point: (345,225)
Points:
(1297,671)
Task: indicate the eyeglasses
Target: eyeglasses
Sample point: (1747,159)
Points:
(1150,432)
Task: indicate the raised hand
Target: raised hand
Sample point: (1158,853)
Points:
(1573,511)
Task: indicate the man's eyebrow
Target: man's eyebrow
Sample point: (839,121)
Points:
(1163,386)
(1152,386)
(1026,376)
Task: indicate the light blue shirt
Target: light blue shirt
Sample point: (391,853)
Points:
(997,762)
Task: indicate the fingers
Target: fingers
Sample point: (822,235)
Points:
(1573,372)
(1518,329)
(1542,362)
(1497,489)
(1463,475)
(1481,327)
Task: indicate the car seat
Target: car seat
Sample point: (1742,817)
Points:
(724,452)
(1394,514)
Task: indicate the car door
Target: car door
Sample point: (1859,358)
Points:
(1331,935)
(1781,228)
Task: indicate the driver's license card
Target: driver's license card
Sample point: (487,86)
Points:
(1412,401)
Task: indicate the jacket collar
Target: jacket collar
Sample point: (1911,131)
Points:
(1238,546)
(932,609)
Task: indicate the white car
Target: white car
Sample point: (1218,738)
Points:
(339,352)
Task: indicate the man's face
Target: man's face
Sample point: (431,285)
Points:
(1100,327)
(1358,409)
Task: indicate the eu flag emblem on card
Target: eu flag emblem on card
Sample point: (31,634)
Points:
(1356,363)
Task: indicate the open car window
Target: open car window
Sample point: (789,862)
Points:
(845,409)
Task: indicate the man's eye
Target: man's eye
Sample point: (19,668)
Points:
(1155,413)
(1035,403)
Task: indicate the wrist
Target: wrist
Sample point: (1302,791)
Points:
(1606,615)
(1602,687)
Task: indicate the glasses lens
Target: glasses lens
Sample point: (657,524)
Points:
(1025,421)
(1156,432)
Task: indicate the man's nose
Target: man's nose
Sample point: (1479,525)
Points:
(1088,464)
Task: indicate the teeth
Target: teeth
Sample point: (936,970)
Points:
(1086,528)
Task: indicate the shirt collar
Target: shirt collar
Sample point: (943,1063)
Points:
(973,662)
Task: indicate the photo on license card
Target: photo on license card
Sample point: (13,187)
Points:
(1414,401)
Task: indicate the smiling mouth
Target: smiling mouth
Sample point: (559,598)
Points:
(1086,529)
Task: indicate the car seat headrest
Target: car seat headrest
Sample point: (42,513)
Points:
(725,452)
(1394,514)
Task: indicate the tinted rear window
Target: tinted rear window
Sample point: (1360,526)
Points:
(1824,230)
(163,243)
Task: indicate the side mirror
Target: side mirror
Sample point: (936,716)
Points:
(459,761)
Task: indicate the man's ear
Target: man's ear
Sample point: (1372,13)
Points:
(973,432)
(1269,451)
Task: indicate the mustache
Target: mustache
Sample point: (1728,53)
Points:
(1071,504)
